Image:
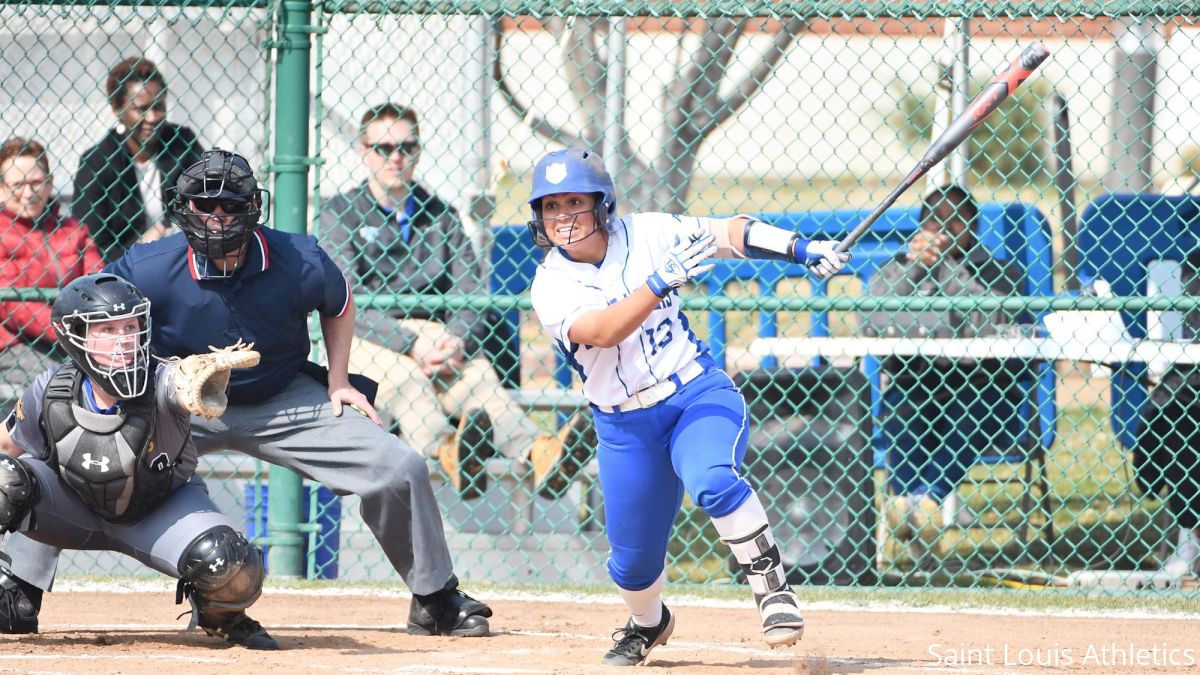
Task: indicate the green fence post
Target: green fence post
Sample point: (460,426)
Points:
(290,166)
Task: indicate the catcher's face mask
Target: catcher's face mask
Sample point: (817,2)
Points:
(113,348)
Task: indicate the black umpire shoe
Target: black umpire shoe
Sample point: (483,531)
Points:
(448,612)
(244,631)
(20,603)
(634,642)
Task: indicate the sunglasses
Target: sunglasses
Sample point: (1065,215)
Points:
(229,206)
(407,148)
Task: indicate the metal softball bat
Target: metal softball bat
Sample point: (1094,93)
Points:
(1000,88)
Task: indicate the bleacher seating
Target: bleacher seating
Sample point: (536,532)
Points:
(1120,235)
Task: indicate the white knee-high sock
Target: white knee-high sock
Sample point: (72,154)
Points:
(748,535)
(746,518)
(646,605)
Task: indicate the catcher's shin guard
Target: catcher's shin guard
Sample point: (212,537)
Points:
(558,459)
(18,493)
(20,603)
(221,574)
(759,557)
(448,612)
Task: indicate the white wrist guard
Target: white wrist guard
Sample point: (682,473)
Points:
(767,242)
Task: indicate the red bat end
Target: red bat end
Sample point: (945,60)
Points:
(1006,83)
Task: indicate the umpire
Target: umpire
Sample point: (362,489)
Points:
(225,278)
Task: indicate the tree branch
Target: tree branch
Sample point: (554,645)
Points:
(755,79)
(719,43)
(585,72)
(539,125)
(693,78)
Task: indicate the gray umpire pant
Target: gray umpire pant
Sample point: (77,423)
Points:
(157,540)
(296,429)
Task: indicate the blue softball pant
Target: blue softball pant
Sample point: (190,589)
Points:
(695,440)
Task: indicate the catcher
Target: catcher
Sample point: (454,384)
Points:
(99,456)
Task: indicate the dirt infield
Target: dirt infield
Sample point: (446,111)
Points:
(104,632)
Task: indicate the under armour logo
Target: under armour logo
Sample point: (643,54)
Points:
(88,462)
(217,564)
(119,307)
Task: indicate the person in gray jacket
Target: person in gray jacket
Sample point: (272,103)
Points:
(938,413)
(391,235)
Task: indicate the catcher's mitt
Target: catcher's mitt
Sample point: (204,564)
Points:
(200,380)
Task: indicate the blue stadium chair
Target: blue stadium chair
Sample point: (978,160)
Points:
(1119,236)
(1013,232)
(514,260)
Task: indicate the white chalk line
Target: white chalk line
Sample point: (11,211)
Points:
(279,628)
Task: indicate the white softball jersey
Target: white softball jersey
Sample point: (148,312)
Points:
(564,290)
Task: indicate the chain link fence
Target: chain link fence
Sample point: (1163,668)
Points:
(999,393)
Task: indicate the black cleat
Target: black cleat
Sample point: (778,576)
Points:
(20,603)
(634,642)
(783,625)
(244,631)
(448,612)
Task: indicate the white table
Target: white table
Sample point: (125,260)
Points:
(1082,348)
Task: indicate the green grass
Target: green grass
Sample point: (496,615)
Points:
(1057,600)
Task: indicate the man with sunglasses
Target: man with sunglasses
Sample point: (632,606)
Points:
(227,278)
(392,236)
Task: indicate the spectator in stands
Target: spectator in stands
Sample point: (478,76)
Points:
(391,235)
(938,414)
(1167,454)
(39,249)
(120,186)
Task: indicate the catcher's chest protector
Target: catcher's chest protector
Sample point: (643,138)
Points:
(104,458)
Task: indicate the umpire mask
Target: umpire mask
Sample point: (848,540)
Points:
(218,205)
(103,323)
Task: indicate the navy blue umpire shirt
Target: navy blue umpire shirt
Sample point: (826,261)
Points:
(268,301)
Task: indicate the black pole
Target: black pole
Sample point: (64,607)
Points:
(1064,181)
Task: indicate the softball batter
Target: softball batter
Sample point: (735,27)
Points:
(667,417)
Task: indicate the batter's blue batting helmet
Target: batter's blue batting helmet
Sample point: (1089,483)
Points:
(571,170)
